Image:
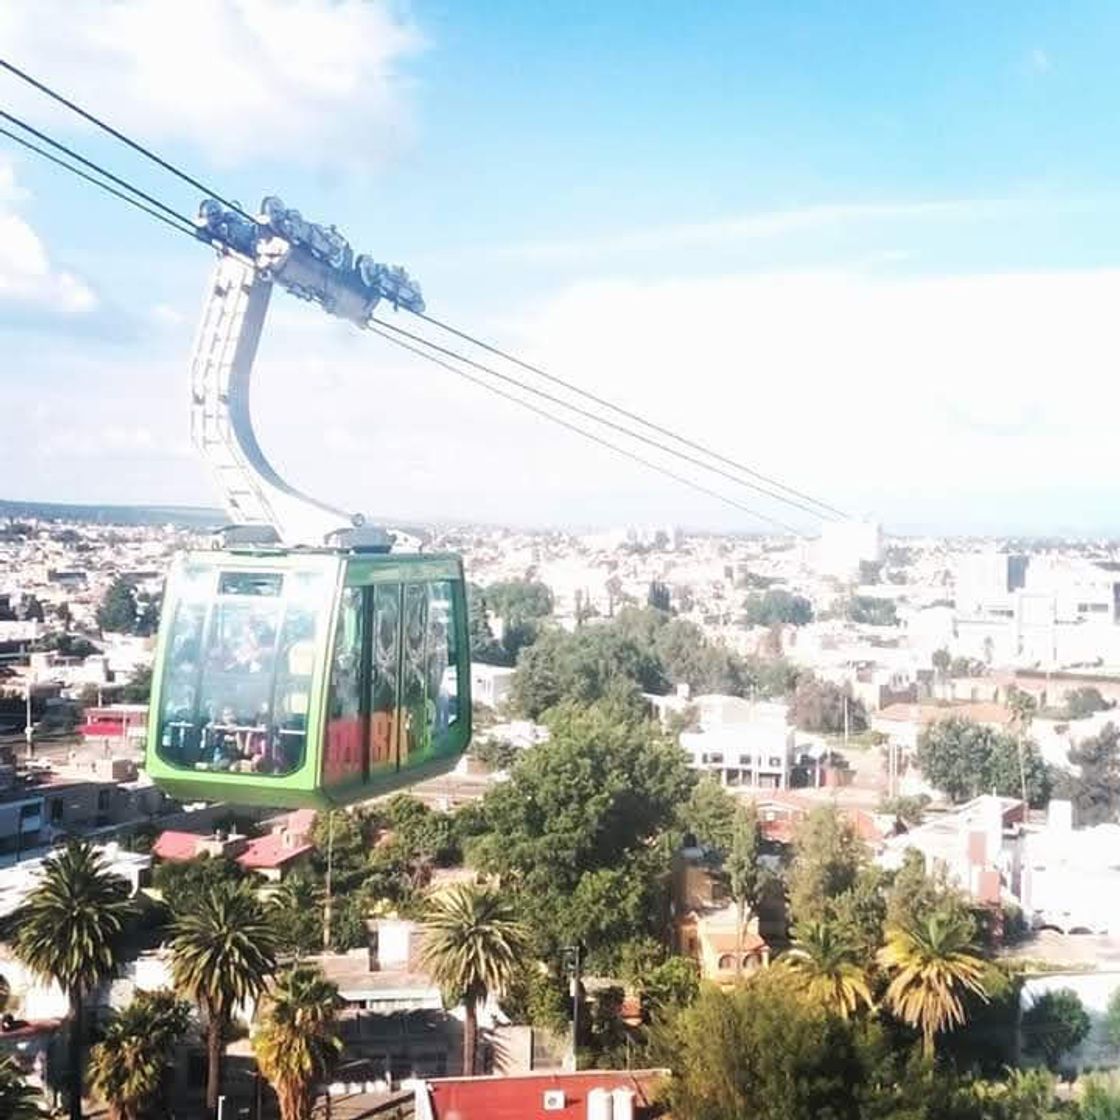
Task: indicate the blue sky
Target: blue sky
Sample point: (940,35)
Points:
(871,249)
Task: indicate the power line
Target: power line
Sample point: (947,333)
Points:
(575,428)
(627,413)
(597,419)
(59,146)
(147,153)
(96,182)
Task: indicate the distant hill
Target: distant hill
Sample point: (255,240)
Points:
(187,517)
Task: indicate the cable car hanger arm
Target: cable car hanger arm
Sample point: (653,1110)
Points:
(316,264)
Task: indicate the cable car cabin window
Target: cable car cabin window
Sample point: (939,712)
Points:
(442,658)
(385,676)
(237,688)
(343,756)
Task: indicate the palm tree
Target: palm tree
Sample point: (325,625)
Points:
(932,965)
(18,1101)
(222,954)
(69,930)
(298,1042)
(128,1064)
(828,967)
(472,944)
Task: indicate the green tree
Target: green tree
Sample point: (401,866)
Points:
(827,860)
(709,814)
(138,687)
(298,1040)
(1095,791)
(127,1066)
(1082,702)
(931,965)
(868,610)
(1055,1023)
(118,611)
(763,1050)
(298,914)
(964,759)
(942,662)
(778,606)
(69,930)
(672,984)
(472,945)
(819,706)
(828,967)
(184,884)
(222,954)
(743,873)
(484,646)
(581,817)
(18,1100)
(659,596)
(1100,1100)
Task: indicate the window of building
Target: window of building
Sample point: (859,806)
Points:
(727,962)
(775,761)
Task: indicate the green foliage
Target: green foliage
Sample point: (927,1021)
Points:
(572,833)
(1082,702)
(672,984)
(494,754)
(931,964)
(297,906)
(1112,1019)
(1053,1025)
(827,860)
(1095,789)
(183,884)
(127,1066)
(870,611)
(485,647)
(138,687)
(1100,1100)
(18,1100)
(860,912)
(709,814)
(819,706)
(588,665)
(473,946)
(777,606)
(538,996)
(422,833)
(118,612)
(829,968)
(298,1042)
(70,930)
(763,1050)
(222,953)
(520,604)
(964,760)
(910,810)
(659,596)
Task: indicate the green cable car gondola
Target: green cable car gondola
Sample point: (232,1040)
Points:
(312,666)
(296,678)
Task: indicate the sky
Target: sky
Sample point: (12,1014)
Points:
(871,250)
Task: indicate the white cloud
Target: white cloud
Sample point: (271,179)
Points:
(26,273)
(757,226)
(310,81)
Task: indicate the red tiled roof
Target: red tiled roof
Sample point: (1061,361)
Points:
(175,846)
(522,1097)
(268,852)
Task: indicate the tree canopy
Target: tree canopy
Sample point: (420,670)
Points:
(777,605)
(964,759)
(572,832)
(820,706)
(1095,788)
(119,612)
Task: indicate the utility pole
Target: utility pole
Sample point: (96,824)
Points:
(327,900)
(572,963)
(28,731)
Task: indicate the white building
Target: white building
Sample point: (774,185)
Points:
(742,743)
(490,684)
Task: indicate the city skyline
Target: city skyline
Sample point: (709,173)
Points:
(900,304)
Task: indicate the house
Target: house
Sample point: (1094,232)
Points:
(742,742)
(978,846)
(711,938)
(273,856)
(586,1095)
